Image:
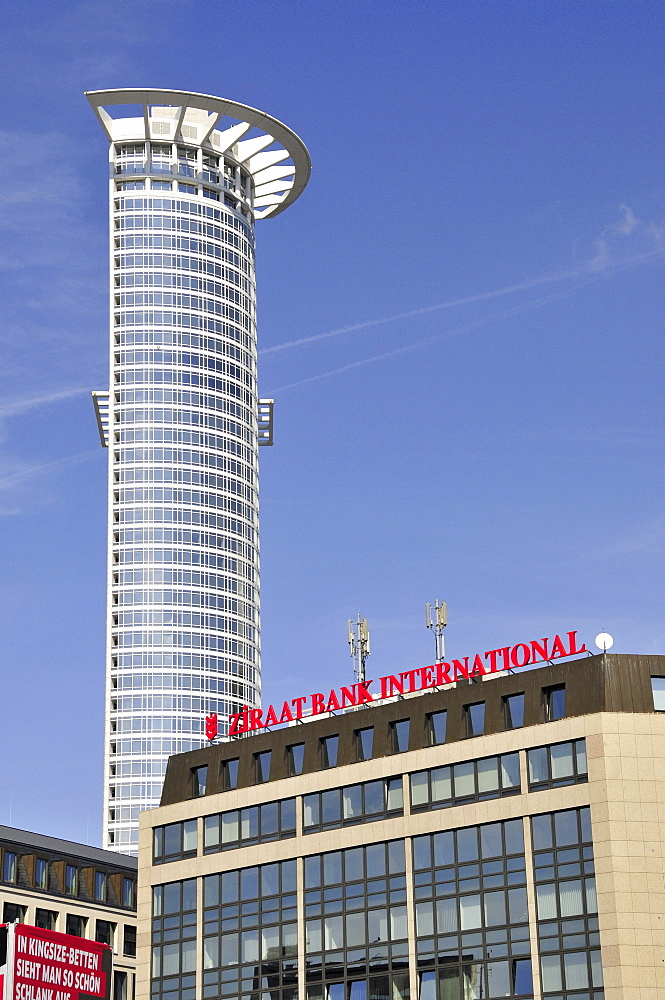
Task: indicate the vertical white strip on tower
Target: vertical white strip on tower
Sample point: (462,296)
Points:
(189,175)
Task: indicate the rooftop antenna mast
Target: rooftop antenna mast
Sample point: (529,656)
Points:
(438,625)
(359,647)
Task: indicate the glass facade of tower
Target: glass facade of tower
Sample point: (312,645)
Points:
(183,619)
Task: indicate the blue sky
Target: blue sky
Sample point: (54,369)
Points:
(460,322)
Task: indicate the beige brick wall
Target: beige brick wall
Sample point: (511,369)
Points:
(627,793)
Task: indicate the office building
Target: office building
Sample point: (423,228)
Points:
(497,837)
(74,889)
(189,175)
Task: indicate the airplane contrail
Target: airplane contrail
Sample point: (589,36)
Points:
(35,470)
(586,270)
(23,405)
(445,335)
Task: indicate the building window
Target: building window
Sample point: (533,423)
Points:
(364,803)
(12,912)
(347,893)
(71,880)
(329,747)
(364,742)
(174,940)
(658,689)
(566,905)
(46,919)
(41,874)
(473,780)
(513,711)
(75,925)
(128,887)
(174,841)
(295,758)
(555,702)
(436,728)
(256,949)
(251,825)
(470,890)
(9,867)
(129,941)
(199,780)
(262,766)
(100,887)
(474,718)
(399,735)
(230,774)
(104,932)
(119,985)
(556,765)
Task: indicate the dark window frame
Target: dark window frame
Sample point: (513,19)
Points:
(181,831)
(469,726)
(229,774)
(549,697)
(359,742)
(395,735)
(199,779)
(506,709)
(325,742)
(285,828)
(260,775)
(577,753)
(316,800)
(294,768)
(431,728)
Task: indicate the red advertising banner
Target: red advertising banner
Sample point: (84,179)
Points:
(46,965)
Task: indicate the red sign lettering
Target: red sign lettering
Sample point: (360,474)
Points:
(409,681)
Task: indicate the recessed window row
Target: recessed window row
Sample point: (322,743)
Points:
(470,781)
(353,804)
(189,456)
(188,536)
(557,765)
(251,825)
(183,300)
(62,877)
(193,578)
(188,321)
(142,261)
(193,245)
(177,205)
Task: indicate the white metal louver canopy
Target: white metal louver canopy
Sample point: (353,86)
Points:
(277,159)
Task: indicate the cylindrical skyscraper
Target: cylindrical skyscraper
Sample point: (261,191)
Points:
(189,175)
